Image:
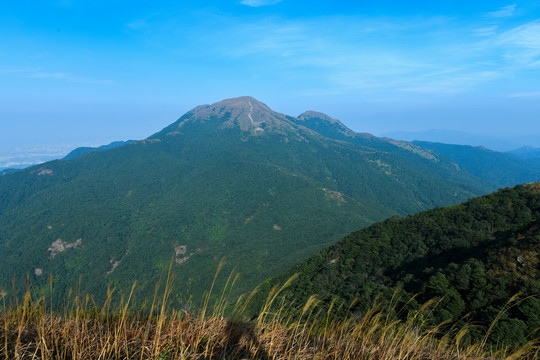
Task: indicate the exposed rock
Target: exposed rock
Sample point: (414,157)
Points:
(425,153)
(149,141)
(115,263)
(114,266)
(336,195)
(59,246)
(180,250)
(43,171)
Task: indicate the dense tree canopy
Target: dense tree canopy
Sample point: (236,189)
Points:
(474,257)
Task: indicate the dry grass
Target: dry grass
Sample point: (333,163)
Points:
(30,330)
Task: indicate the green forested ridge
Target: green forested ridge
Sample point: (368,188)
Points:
(233,179)
(475,256)
(7,171)
(83,150)
(496,168)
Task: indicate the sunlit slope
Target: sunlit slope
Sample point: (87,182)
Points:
(233,179)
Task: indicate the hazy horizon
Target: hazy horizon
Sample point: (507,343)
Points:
(81,73)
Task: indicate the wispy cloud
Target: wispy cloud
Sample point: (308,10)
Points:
(486,31)
(457,83)
(37,73)
(522,44)
(67,77)
(365,54)
(503,12)
(258,3)
(534,94)
(348,56)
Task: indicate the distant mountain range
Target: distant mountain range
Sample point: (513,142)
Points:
(527,152)
(499,169)
(233,180)
(498,143)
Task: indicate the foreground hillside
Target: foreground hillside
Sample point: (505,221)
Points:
(233,179)
(480,258)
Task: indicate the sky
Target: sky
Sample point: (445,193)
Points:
(76,72)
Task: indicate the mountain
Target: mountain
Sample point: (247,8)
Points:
(496,168)
(7,171)
(232,180)
(498,143)
(475,256)
(527,152)
(530,154)
(491,167)
(85,149)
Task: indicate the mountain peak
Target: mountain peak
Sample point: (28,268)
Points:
(328,126)
(244,112)
(311,114)
(250,115)
(242,102)
(326,121)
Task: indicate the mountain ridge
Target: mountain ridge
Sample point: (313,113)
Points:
(208,186)
(499,169)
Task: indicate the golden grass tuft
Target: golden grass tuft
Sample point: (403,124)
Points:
(29,329)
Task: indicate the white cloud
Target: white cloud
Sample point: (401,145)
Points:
(346,58)
(367,55)
(486,31)
(534,94)
(522,44)
(503,12)
(258,3)
(65,77)
(39,73)
(527,35)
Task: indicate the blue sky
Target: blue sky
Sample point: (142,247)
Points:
(90,72)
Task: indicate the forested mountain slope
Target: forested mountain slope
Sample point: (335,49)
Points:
(233,179)
(496,168)
(83,150)
(474,256)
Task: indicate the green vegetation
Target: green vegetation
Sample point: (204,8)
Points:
(496,168)
(209,186)
(474,257)
(83,150)
(236,180)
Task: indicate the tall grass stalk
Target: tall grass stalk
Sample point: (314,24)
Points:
(120,330)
